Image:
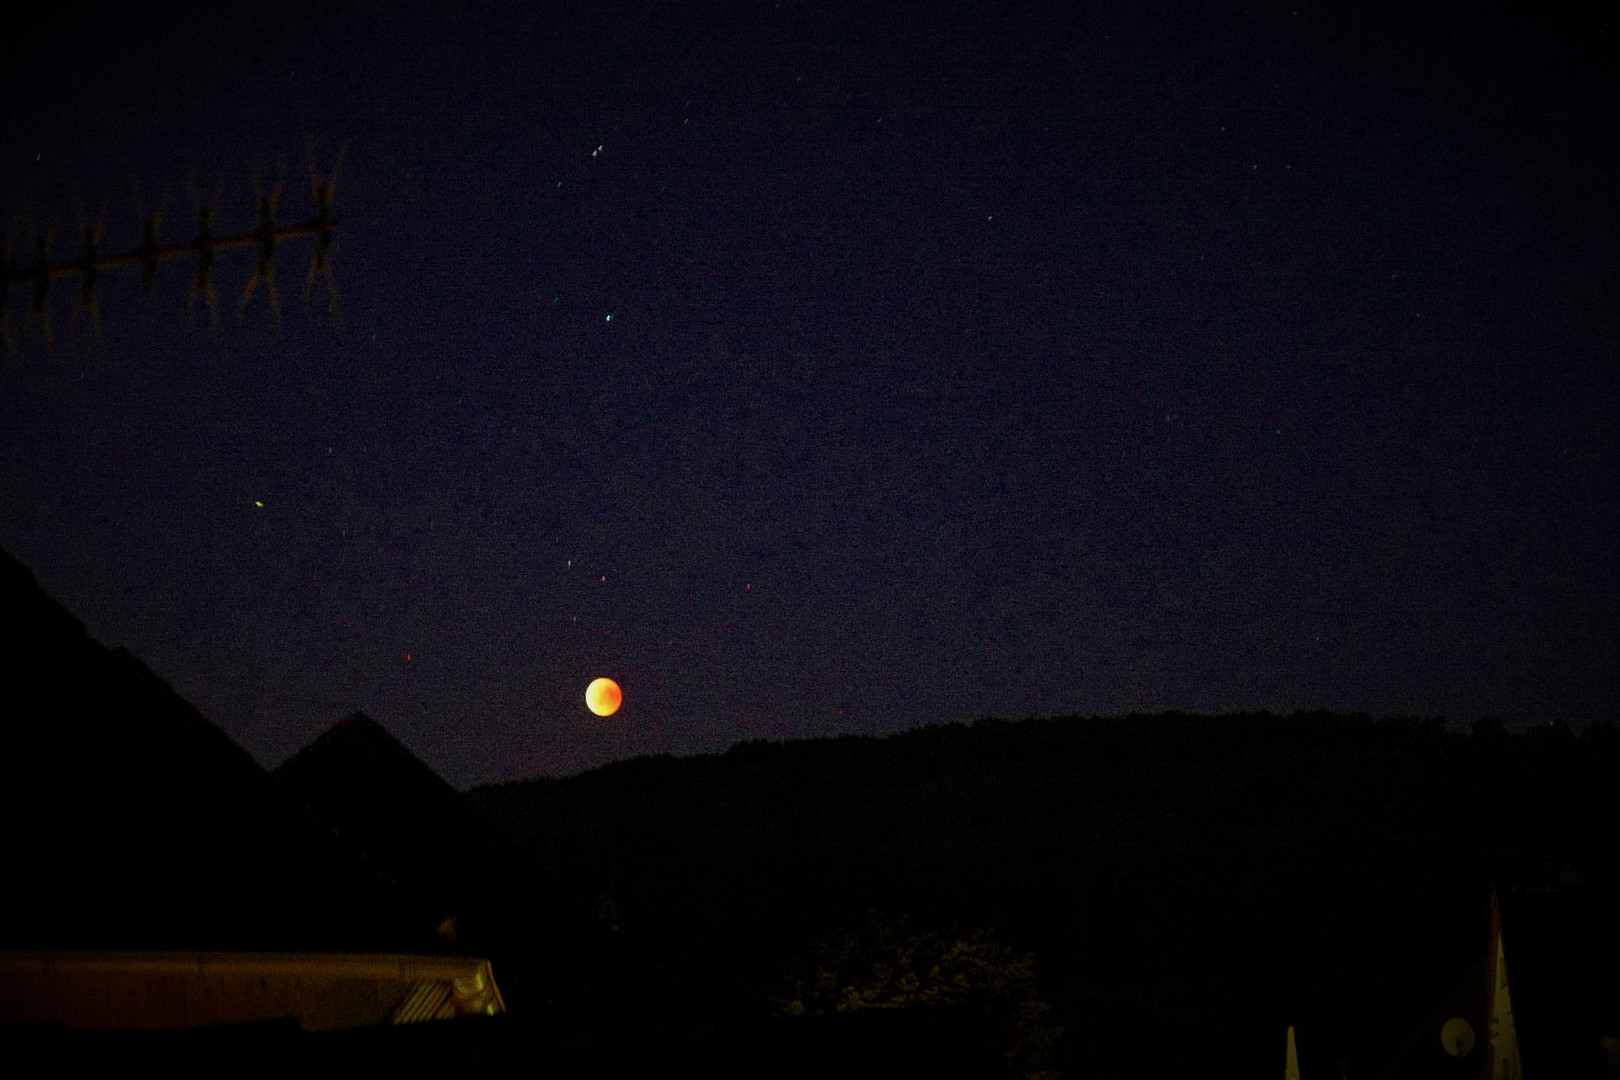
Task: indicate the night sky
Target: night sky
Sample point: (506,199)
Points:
(829,367)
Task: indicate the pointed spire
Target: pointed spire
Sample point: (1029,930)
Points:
(1501,1033)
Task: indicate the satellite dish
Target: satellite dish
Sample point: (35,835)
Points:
(1457,1036)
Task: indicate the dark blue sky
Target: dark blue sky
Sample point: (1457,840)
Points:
(823,367)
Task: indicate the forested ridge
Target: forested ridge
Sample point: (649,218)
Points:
(1223,875)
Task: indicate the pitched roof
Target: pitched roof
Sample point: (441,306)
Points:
(158,991)
(452,863)
(1562,944)
(1539,990)
(137,824)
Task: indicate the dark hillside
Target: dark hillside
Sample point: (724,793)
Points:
(1223,876)
(134,823)
(487,895)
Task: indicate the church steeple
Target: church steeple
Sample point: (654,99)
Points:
(1501,1059)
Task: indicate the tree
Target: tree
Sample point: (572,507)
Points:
(889,964)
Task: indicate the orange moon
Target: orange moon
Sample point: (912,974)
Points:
(603,697)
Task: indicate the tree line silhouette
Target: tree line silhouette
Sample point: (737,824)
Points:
(1188,884)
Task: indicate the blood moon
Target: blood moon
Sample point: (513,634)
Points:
(603,697)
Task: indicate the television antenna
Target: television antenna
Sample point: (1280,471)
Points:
(1457,1037)
(267,235)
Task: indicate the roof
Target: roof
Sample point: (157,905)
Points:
(161,833)
(1538,989)
(460,870)
(152,991)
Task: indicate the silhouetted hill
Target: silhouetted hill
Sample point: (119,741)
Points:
(452,863)
(391,809)
(1188,885)
(132,822)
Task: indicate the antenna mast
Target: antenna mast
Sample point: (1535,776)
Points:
(204,246)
